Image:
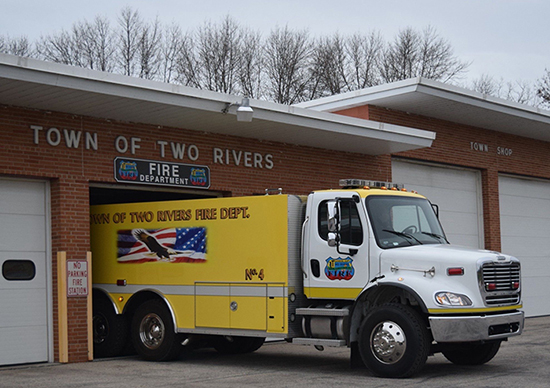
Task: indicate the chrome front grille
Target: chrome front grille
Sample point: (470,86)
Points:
(501,283)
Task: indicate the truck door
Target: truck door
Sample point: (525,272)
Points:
(336,272)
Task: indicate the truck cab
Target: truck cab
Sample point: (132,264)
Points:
(376,256)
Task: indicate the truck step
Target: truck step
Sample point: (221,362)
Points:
(326,312)
(335,343)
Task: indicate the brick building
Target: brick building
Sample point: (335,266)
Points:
(485,161)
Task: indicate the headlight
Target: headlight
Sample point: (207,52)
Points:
(451,299)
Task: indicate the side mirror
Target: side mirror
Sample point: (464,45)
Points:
(435,209)
(332,216)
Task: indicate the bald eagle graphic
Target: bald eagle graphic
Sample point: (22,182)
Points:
(173,245)
(153,245)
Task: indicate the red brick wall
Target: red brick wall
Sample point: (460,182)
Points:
(296,169)
(453,145)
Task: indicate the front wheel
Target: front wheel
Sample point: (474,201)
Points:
(153,332)
(394,341)
(471,353)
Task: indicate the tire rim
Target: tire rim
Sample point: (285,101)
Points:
(388,342)
(151,331)
(101,328)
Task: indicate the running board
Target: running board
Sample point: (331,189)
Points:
(335,312)
(334,343)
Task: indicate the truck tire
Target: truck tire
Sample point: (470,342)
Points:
(237,345)
(110,329)
(394,341)
(153,333)
(471,354)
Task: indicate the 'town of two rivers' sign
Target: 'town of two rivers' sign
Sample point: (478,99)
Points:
(150,172)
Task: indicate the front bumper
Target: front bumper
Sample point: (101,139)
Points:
(476,328)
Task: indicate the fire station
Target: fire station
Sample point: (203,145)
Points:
(70,135)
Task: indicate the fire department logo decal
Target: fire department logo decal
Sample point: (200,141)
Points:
(339,269)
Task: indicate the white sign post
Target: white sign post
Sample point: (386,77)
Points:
(77,278)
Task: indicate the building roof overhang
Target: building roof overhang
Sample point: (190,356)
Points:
(434,99)
(36,84)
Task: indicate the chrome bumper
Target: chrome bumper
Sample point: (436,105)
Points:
(476,328)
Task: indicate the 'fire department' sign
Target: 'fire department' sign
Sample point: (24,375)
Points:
(77,278)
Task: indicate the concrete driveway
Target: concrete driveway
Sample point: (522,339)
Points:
(523,361)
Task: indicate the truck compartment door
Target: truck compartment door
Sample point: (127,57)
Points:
(231,306)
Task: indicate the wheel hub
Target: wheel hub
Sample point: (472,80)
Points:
(388,342)
(100,327)
(151,331)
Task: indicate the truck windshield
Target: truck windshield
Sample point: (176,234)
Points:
(403,221)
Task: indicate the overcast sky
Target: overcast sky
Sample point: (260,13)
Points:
(507,39)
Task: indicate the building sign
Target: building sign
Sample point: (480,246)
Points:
(151,172)
(77,278)
(91,141)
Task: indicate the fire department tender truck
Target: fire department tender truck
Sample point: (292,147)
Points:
(367,266)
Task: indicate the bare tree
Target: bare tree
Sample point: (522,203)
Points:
(543,89)
(89,45)
(149,50)
(16,46)
(171,47)
(94,43)
(187,66)
(328,68)
(518,91)
(218,54)
(129,35)
(60,48)
(414,54)
(286,62)
(365,54)
(487,84)
(401,56)
(251,63)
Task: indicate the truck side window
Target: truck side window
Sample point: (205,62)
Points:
(351,230)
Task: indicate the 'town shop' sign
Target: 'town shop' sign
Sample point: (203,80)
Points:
(77,278)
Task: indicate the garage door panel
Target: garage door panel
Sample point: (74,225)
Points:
(529,227)
(453,179)
(466,201)
(23,345)
(32,313)
(24,287)
(38,281)
(536,269)
(536,305)
(455,191)
(525,228)
(22,197)
(22,232)
(519,206)
(526,248)
(517,187)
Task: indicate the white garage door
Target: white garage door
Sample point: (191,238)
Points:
(457,192)
(525,233)
(24,289)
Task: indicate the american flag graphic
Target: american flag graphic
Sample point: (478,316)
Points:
(173,245)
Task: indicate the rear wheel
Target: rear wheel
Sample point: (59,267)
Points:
(237,345)
(110,329)
(471,353)
(153,333)
(394,341)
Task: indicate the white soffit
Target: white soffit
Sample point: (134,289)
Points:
(446,102)
(35,84)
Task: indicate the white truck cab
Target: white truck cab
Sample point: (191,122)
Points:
(410,291)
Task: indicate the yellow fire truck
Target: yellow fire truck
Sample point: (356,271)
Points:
(367,266)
